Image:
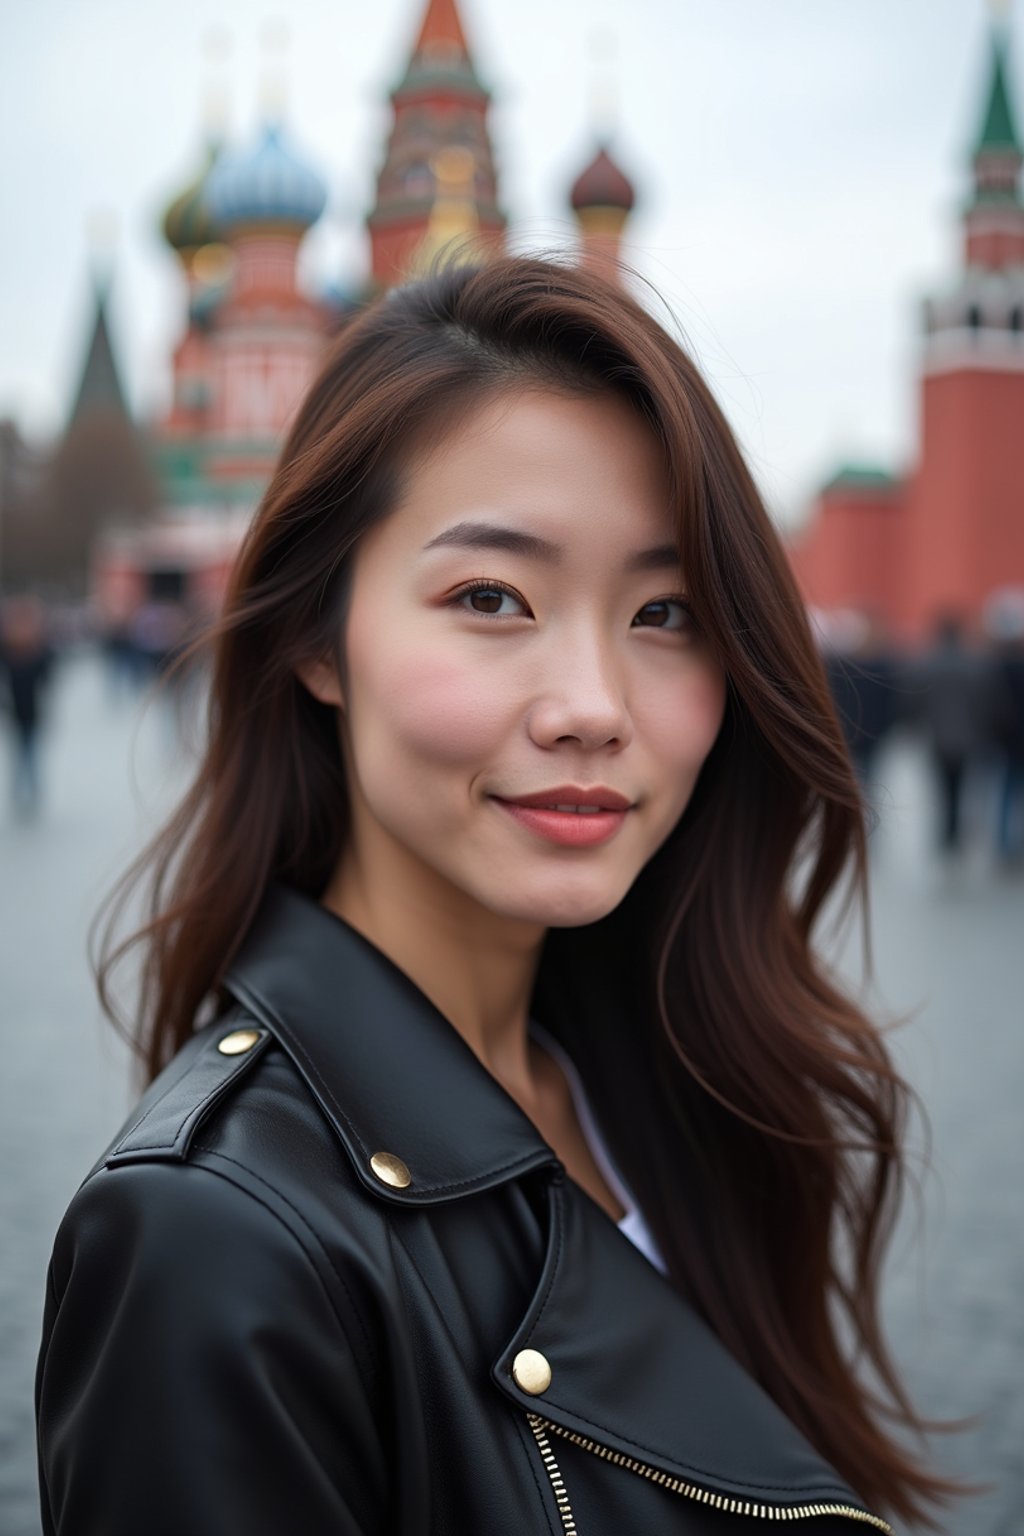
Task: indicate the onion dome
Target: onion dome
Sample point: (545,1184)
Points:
(265,185)
(187,224)
(602,185)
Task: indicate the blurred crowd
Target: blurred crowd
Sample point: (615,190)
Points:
(147,646)
(961,696)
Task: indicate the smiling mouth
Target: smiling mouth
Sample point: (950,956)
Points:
(565,823)
(572,799)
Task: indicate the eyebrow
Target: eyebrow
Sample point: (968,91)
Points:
(530,545)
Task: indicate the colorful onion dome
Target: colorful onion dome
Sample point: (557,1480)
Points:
(602,185)
(187,224)
(267,184)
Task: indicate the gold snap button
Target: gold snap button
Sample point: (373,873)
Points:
(390,1170)
(239,1042)
(531,1371)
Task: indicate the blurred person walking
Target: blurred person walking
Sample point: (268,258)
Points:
(26,658)
(1008,652)
(955,697)
(862,674)
(157,632)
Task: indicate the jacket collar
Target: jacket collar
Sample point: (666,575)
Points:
(635,1370)
(387,1069)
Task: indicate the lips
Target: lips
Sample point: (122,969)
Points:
(576,827)
(571,797)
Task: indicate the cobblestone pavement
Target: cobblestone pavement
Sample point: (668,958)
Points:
(948,944)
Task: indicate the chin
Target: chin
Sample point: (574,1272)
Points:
(567,908)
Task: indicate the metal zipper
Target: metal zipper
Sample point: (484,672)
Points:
(540,1426)
(551,1468)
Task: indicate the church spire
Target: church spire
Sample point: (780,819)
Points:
(440,55)
(999,131)
(439,105)
(994,217)
(99,388)
(441,30)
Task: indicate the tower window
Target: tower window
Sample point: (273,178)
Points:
(974,317)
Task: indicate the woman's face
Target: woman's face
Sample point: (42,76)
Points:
(518,627)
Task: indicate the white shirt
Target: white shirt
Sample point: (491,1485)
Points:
(632,1224)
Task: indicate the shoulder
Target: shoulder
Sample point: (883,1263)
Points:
(227,1155)
(190,1285)
(230,1090)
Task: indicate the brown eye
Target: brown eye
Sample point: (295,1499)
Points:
(667,613)
(486,599)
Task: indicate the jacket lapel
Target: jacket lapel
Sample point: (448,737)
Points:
(636,1370)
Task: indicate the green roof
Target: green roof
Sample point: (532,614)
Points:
(864,477)
(999,130)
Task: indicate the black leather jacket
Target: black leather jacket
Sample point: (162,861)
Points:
(331,1280)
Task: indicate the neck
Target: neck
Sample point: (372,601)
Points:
(477,968)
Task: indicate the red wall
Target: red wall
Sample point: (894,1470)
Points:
(851,552)
(966,507)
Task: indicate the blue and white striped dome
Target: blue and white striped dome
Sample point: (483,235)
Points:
(267,184)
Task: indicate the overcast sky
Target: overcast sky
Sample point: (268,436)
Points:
(799,164)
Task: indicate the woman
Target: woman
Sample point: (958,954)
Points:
(501,1113)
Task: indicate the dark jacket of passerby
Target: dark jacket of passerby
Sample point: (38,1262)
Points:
(954,694)
(330,1279)
(1009,664)
(27,673)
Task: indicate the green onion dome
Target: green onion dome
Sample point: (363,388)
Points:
(188,223)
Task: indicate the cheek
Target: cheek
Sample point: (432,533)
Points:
(432,708)
(681,731)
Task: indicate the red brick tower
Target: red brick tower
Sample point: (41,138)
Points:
(952,532)
(965,519)
(439,105)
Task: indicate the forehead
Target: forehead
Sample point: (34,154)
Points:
(566,467)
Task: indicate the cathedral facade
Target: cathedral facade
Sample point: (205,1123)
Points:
(253,339)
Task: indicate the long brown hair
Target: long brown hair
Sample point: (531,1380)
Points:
(753,1107)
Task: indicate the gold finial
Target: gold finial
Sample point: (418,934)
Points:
(603,89)
(273,93)
(217,48)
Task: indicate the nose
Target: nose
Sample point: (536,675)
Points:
(583,699)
